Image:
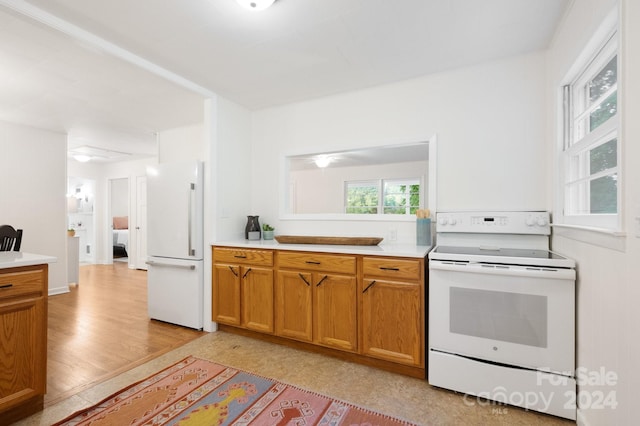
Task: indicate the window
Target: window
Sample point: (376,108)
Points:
(362,197)
(401,197)
(591,147)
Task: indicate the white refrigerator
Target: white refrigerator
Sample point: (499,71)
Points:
(175,278)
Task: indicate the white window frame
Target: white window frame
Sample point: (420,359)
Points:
(375,183)
(380,184)
(595,57)
(407,183)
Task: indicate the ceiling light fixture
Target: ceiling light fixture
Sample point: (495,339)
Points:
(322,161)
(255,5)
(81,158)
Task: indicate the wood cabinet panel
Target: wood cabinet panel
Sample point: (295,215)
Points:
(226,294)
(257,298)
(243,256)
(293,305)
(336,311)
(329,284)
(22,351)
(242,293)
(21,283)
(317,262)
(393,321)
(404,269)
(23,339)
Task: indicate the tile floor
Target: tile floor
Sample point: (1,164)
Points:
(393,394)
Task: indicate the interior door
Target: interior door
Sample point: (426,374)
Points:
(141,223)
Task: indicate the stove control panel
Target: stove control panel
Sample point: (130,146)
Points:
(537,223)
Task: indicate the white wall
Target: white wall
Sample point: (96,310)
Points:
(33,187)
(227,149)
(607,284)
(182,143)
(233,166)
(490,125)
(120,197)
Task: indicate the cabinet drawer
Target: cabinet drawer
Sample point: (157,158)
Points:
(392,268)
(253,257)
(20,282)
(317,262)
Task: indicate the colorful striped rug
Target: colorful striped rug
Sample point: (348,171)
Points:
(199,392)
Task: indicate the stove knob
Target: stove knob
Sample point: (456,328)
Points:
(530,221)
(542,221)
(443,221)
(453,221)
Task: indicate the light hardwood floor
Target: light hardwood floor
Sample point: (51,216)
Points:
(101,329)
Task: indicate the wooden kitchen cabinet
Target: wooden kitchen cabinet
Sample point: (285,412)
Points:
(393,325)
(316,299)
(226,294)
(294,305)
(242,293)
(257,298)
(363,308)
(23,340)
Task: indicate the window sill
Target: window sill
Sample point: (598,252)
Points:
(606,238)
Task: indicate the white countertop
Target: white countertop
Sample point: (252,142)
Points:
(14,259)
(382,249)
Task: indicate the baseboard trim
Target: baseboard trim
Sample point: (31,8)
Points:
(58,290)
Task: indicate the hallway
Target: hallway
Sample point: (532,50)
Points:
(101,329)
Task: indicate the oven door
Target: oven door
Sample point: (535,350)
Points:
(516,315)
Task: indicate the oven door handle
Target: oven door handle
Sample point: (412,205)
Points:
(496,269)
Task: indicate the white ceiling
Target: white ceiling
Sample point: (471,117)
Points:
(296,50)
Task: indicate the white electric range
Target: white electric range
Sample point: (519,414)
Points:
(502,311)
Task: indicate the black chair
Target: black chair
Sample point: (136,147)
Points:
(10,238)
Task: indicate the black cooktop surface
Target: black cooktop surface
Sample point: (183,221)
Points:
(500,252)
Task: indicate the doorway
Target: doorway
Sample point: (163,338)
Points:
(119,202)
(80,216)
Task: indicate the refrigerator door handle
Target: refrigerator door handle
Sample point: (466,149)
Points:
(172,265)
(192,189)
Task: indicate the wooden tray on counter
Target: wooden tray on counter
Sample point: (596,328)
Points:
(343,241)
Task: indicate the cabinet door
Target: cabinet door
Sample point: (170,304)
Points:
(226,294)
(22,350)
(393,321)
(293,305)
(335,311)
(257,298)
